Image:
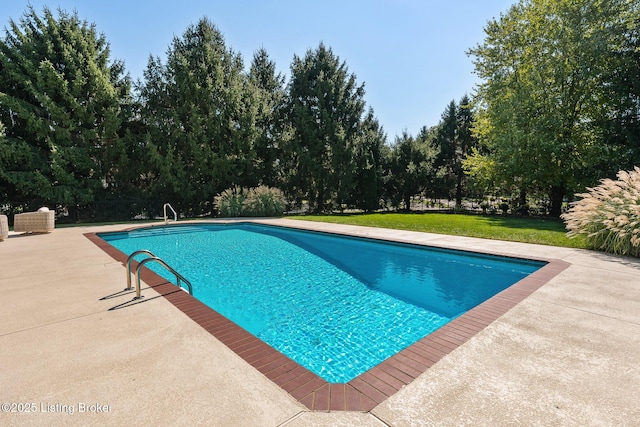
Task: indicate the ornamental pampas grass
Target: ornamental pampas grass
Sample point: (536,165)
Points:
(609,215)
(229,202)
(260,201)
(264,201)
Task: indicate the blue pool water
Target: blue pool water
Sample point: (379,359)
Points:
(336,305)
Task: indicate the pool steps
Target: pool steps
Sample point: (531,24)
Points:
(154,230)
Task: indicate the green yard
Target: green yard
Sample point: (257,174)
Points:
(545,231)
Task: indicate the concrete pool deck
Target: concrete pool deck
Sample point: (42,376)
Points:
(566,355)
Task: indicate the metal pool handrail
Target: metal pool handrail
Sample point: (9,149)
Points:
(131,257)
(179,277)
(175,215)
(151,258)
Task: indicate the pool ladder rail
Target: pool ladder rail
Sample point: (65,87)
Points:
(152,258)
(166,218)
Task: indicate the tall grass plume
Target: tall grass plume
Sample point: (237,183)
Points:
(229,202)
(609,215)
(254,202)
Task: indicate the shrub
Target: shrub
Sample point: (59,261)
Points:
(230,202)
(264,201)
(609,215)
(260,201)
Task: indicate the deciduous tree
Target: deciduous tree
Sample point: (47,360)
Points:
(543,92)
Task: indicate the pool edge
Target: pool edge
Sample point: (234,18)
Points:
(370,388)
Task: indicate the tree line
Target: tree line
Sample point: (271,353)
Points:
(557,110)
(78,130)
(559,103)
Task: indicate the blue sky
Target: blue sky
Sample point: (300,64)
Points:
(411,54)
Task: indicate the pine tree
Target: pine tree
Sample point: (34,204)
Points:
(411,168)
(325,110)
(200,113)
(369,154)
(456,141)
(63,103)
(447,141)
(269,101)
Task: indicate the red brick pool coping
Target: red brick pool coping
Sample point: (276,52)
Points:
(369,389)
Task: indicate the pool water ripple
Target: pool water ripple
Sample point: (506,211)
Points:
(332,306)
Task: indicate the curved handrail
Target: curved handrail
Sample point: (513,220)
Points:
(131,257)
(179,277)
(175,215)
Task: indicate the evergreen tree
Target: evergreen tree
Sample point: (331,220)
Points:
(411,168)
(4,151)
(270,118)
(325,111)
(63,103)
(369,154)
(447,142)
(456,141)
(432,175)
(200,113)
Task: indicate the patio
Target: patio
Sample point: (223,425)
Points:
(566,355)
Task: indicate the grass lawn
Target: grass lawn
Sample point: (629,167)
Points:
(545,231)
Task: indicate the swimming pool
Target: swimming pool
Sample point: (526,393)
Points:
(337,305)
